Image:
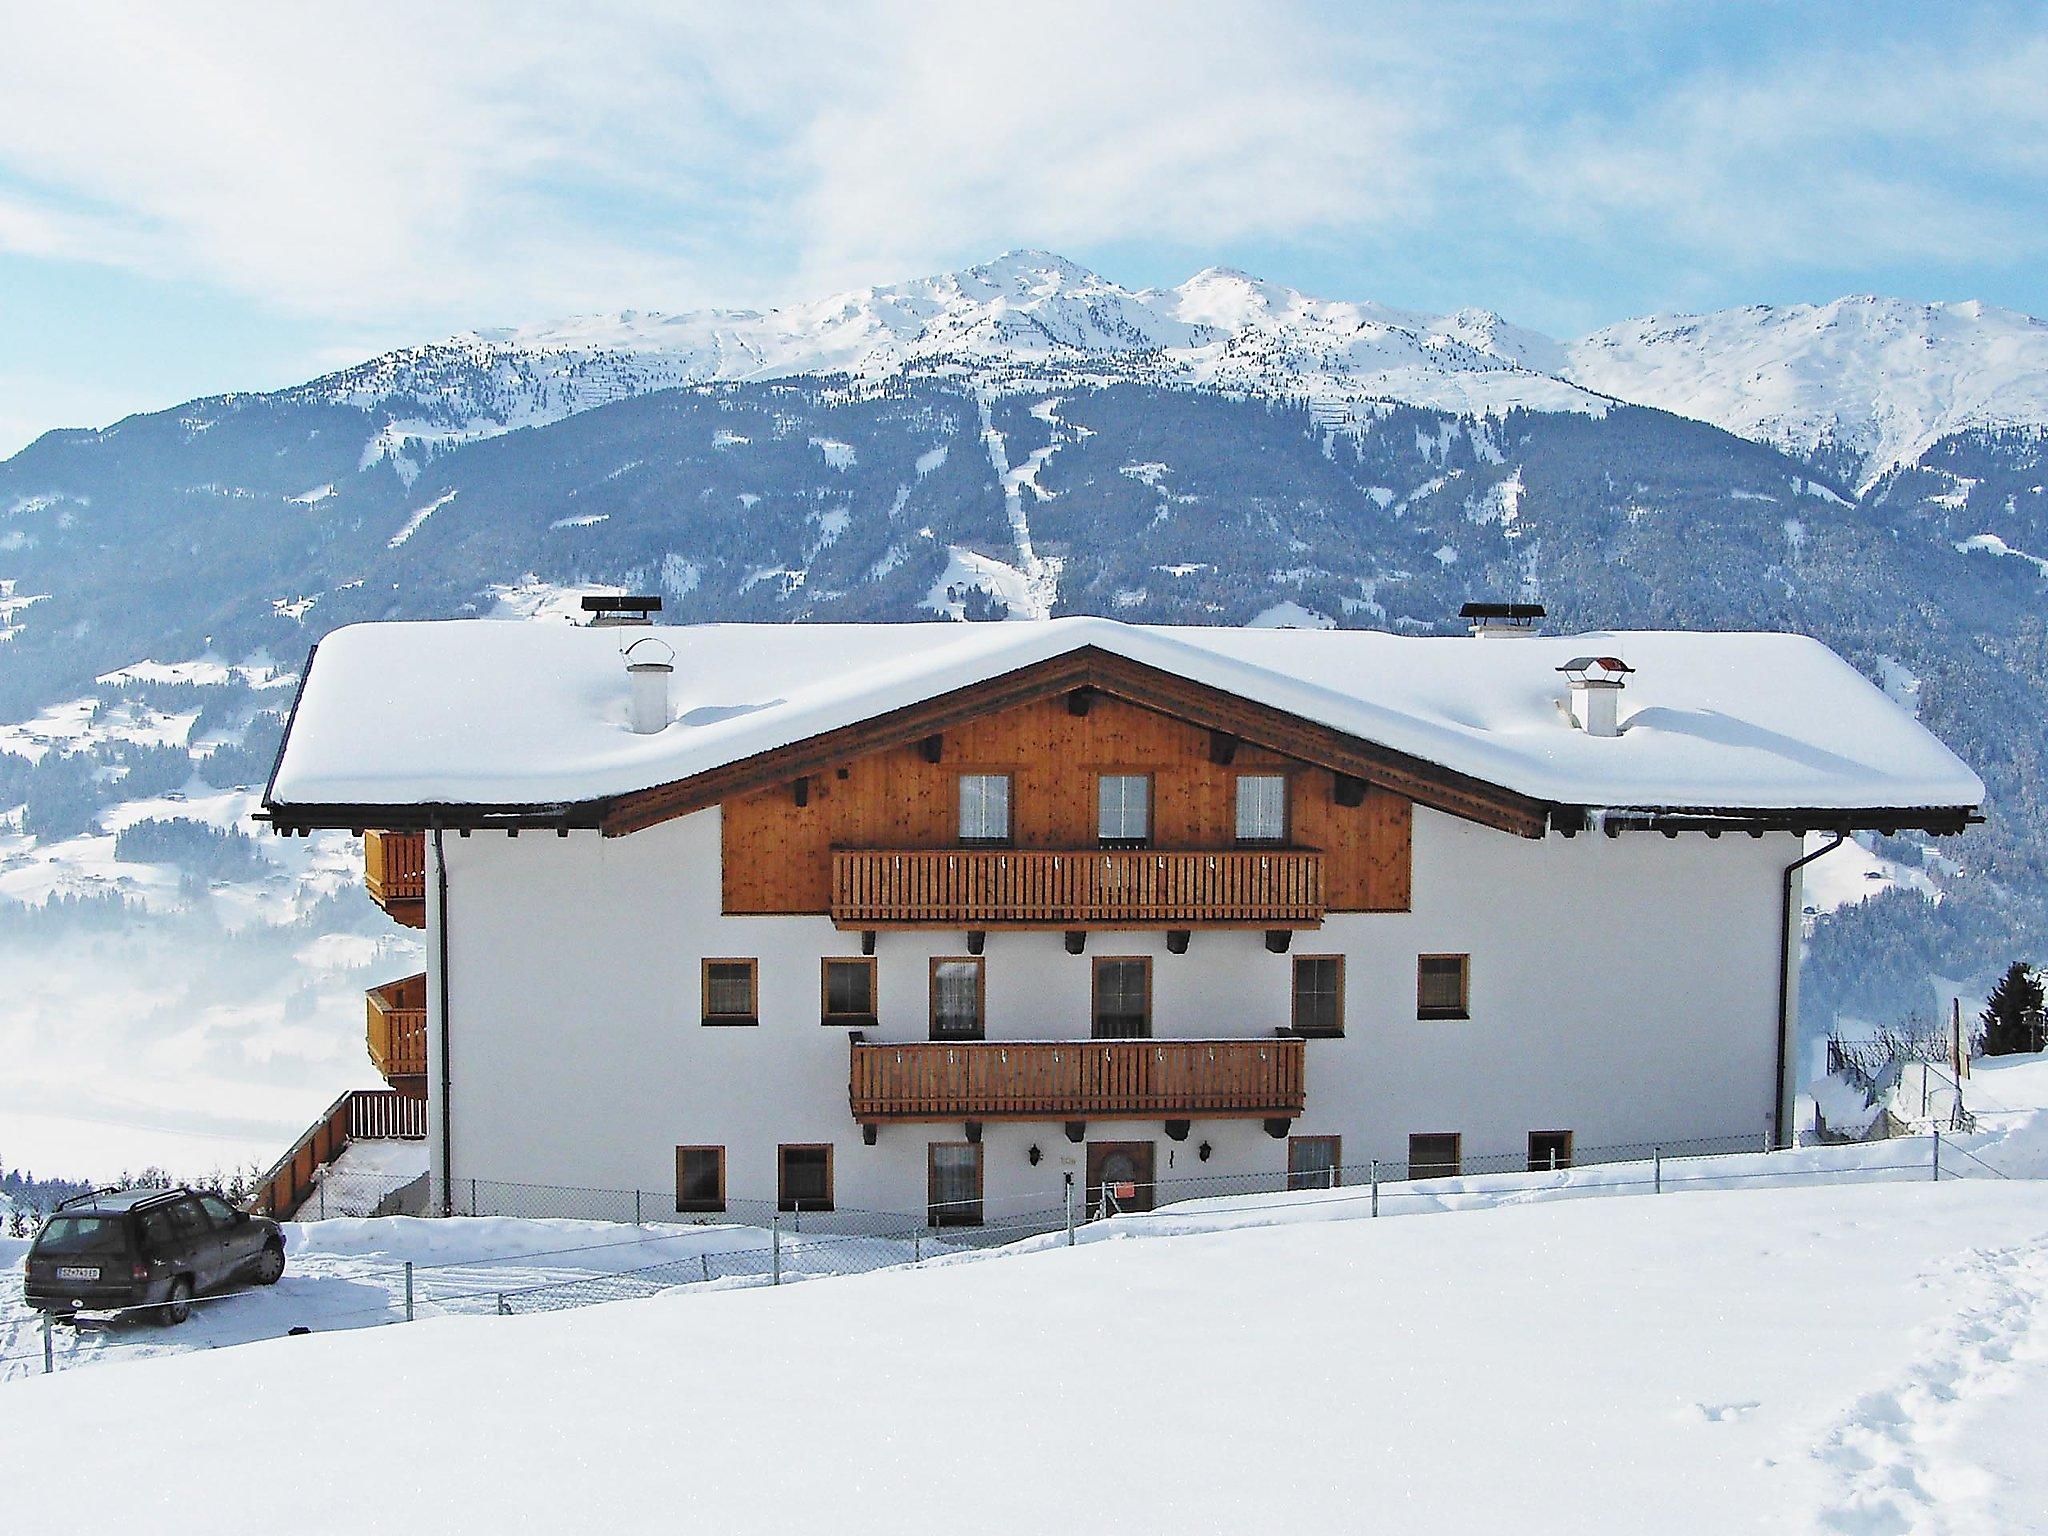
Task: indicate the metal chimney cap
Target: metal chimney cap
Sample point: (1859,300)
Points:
(1523,612)
(1596,671)
(647,663)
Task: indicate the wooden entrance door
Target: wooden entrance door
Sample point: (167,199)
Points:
(1125,1169)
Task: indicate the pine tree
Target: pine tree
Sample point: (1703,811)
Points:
(2012,1014)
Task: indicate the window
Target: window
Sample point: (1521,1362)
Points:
(1443,986)
(730,993)
(847,989)
(1262,808)
(1549,1150)
(700,1178)
(955,1184)
(1313,1162)
(959,991)
(1435,1155)
(1319,994)
(803,1178)
(984,807)
(218,1210)
(1123,809)
(1123,998)
(187,1220)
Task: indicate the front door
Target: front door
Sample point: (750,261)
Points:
(1123,1170)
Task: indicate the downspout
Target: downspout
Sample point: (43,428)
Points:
(441,947)
(1787,958)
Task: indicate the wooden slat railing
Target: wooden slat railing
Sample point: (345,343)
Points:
(395,874)
(990,887)
(1077,1079)
(361,1114)
(397,1032)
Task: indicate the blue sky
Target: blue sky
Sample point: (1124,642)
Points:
(197,198)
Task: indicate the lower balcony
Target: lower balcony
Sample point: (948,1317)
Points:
(1101,888)
(397,1034)
(395,874)
(1077,1080)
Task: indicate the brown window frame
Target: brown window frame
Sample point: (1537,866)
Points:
(729,1020)
(783,1200)
(954,1218)
(700,1205)
(1294,1000)
(865,962)
(1464,1008)
(980,964)
(1336,1145)
(1095,993)
(1009,837)
(1143,839)
(1546,1166)
(1455,1168)
(1286,807)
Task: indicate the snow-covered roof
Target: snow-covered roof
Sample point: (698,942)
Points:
(497,713)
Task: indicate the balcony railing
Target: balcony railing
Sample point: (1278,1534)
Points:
(397,1033)
(1110,887)
(1077,1080)
(395,873)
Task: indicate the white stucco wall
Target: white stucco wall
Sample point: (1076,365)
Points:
(1623,989)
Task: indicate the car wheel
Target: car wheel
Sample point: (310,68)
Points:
(177,1305)
(270,1264)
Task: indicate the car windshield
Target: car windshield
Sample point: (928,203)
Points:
(66,1235)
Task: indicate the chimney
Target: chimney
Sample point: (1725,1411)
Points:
(1501,621)
(650,684)
(1596,692)
(605,612)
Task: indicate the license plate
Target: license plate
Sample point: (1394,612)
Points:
(78,1272)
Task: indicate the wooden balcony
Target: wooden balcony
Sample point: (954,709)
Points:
(1093,888)
(397,1034)
(395,873)
(1077,1080)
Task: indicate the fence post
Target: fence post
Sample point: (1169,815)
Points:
(1375,1186)
(472,1197)
(1070,1210)
(704,1263)
(636,1207)
(917,1245)
(503,1310)
(408,1290)
(1656,1170)
(775,1260)
(323,1194)
(49,1349)
(1937,1154)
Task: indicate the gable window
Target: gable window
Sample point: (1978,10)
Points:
(1319,995)
(700,1178)
(1313,1162)
(803,1178)
(1435,1155)
(1123,809)
(1443,986)
(954,1185)
(731,993)
(1123,998)
(1262,807)
(1549,1150)
(847,989)
(984,807)
(959,995)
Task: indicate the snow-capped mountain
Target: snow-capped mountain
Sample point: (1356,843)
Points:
(1026,319)
(1868,383)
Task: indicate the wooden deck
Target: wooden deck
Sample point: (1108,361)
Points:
(1077,1080)
(1102,888)
(395,874)
(361,1114)
(397,1033)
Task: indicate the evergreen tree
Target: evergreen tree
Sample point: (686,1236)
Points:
(2012,1014)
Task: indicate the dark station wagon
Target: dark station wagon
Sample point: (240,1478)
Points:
(154,1248)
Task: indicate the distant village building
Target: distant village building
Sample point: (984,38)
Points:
(934,917)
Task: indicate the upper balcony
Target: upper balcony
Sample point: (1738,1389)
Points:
(940,1080)
(1093,888)
(397,1033)
(395,873)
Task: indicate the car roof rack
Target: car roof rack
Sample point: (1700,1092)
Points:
(91,1194)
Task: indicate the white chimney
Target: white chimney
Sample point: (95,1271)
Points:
(650,683)
(1596,683)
